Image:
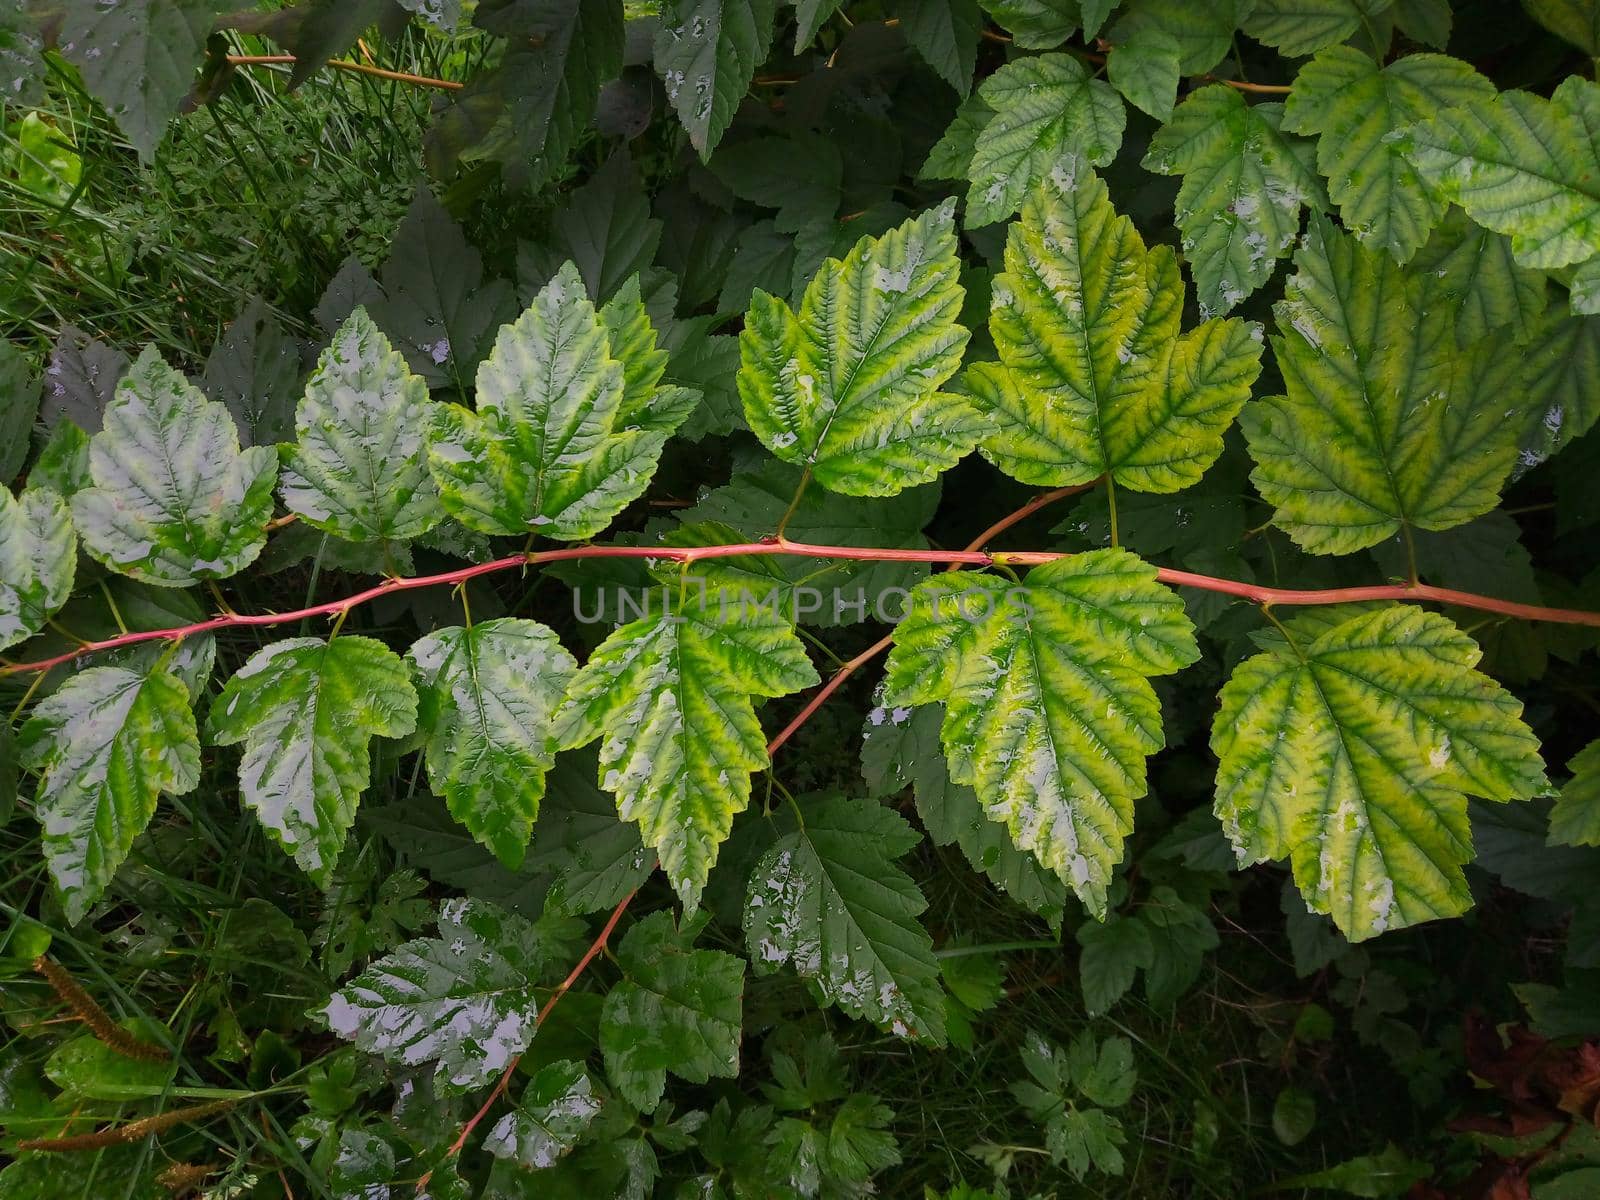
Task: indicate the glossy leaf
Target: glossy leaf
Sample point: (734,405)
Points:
(707,52)
(830,901)
(554,1110)
(1523,166)
(1245,185)
(1358,111)
(306,711)
(677,1009)
(1095,376)
(1049,712)
(465,1001)
(848,385)
(671,693)
(358,468)
(555,446)
(1349,746)
(1385,426)
(486,695)
(38,559)
(1047,110)
(174,500)
(107,743)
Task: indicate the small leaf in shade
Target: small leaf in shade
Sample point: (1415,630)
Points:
(830,901)
(107,743)
(254,369)
(81,380)
(487,694)
(1575,819)
(358,468)
(38,559)
(677,1009)
(19,402)
(707,52)
(174,500)
(555,1108)
(466,1000)
(306,711)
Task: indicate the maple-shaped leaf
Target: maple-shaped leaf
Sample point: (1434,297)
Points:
(1521,165)
(707,52)
(1471,272)
(558,444)
(174,499)
(1350,745)
(38,560)
(486,697)
(830,901)
(1095,377)
(1047,109)
(1245,184)
(306,711)
(1575,819)
(1385,426)
(672,695)
(677,1009)
(900,746)
(1358,110)
(138,60)
(466,1000)
(848,386)
(1049,712)
(555,1109)
(1300,27)
(107,743)
(359,468)
(1204,32)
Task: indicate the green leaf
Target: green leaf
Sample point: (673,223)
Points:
(1085,1139)
(1470,273)
(485,699)
(1244,186)
(901,746)
(672,695)
(123,1171)
(829,900)
(1521,165)
(465,1000)
(1385,426)
(359,467)
(605,227)
(1204,32)
(306,711)
(707,52)
(1575,819)
(1112,953)
(19,390)
(38,559)
(437,306)
(529,111)
(553,447)
(1300,27)
(254,369)
(88,1069)
(1049,713)
(761,171)
(1556,368)
(1094,374)
(1350,745)
(945,33)
(1578,21)
(1036,24)
(138,60)
(1048,111)
(951,156)
(81,380)
(21,58)
(107,743)
(1294,1115)
(810,16)
(1426,21)
(1145,70)
(554,1111)
(677,1009)
(595,860)
(817,592)
(848,386)
(1358,109)
(1374,1176)
(174,499)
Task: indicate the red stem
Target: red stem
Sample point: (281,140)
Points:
(1268,596)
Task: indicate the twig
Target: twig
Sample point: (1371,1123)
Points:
(262,60)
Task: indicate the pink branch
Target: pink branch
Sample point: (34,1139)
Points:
(1268,596)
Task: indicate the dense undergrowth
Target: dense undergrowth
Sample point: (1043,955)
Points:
(211,994)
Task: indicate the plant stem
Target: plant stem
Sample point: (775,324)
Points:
(262,60)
